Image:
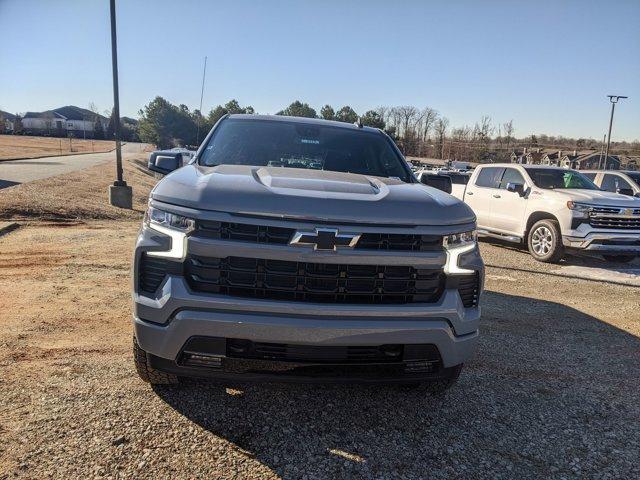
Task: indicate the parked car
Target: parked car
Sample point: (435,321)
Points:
(334,265)
(553,210)
(626,182)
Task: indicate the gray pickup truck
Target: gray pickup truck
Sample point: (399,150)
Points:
(303,249)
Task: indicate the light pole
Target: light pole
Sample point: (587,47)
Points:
(120,194)
(204,72)
(613,99)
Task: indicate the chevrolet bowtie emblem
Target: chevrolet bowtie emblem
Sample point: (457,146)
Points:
(325,239)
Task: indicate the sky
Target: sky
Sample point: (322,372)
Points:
(547,65)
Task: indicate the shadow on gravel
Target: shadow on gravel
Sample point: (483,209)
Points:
(7,183)
(582,260)
(550,393)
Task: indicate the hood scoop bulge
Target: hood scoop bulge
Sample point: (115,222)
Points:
(319,183)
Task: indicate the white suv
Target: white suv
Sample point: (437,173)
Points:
(553,209)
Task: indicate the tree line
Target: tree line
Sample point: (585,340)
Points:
(420,132)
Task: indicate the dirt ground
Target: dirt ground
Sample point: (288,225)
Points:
(552,391)
(21,146)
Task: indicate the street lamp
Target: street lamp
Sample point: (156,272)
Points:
(613,99)
(120,194)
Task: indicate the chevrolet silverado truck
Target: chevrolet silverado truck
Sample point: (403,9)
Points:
(303,249)
(553,210)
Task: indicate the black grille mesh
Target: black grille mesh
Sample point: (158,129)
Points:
(280,235)
(313,282)
(152,271)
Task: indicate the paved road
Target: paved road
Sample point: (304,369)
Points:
(14,172)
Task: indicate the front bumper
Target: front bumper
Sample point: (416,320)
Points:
(446,324)
(165,321)
(605,242)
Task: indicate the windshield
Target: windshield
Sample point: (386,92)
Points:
(635,176)
(559,179)
(275,143)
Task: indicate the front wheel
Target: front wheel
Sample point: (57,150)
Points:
(148,373)
(545,241)
(619,258)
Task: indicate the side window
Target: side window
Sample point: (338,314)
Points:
(590,175)
(511,175)
(489,177)
(612,183)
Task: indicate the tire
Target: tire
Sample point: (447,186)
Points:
(436,386)
(545,241)
(148,374)
(619,258)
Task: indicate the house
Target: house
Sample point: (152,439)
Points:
(7,122)
(596,161)
(530,157)
(568,160)
(551,158)
(630,162)
(63,122)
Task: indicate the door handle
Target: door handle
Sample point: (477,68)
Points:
(497,196)
(469,193)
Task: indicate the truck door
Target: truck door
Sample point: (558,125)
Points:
(509,208)
(481,193)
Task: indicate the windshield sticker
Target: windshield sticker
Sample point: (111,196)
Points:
(309,140)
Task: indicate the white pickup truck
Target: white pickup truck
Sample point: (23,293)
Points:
(553,210)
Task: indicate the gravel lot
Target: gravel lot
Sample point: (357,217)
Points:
(552,391)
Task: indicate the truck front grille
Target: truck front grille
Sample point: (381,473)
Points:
(616,222)
(242,232)
(615,217)
(313,282)
(317,353)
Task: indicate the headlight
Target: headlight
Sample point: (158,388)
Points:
(460,240)
(455,245)
(580,209)
(154,216)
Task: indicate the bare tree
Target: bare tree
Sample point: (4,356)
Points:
(407,114)
(508,133)
(441,126)
(383,112)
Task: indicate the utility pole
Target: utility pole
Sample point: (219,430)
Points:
(204,72)
(613,99)
(604,140)
(120,194)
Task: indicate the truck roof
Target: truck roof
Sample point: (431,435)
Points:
(523,165)
(302,120)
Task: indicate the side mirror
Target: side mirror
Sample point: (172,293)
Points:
(625,191)
(441,182)
(516,188)
(164,162)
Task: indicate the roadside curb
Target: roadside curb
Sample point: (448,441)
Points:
(6,227)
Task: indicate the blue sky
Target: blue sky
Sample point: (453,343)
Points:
(548,65)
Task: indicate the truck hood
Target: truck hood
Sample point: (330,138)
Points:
(597,197)
(309,194)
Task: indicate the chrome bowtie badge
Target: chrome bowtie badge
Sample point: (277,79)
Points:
(325,239)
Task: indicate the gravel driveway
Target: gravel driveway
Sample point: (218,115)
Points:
(552,392)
